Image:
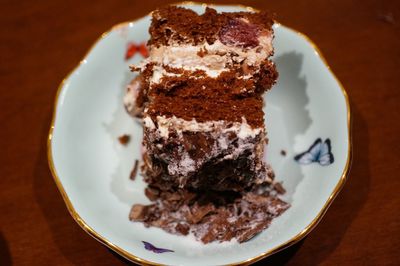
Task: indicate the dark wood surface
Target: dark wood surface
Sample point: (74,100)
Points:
(41,41)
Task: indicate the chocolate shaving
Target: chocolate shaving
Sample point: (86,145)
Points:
(152,193)
(279,188)
(132,176)
(220,217)
(138,212)
(182,228)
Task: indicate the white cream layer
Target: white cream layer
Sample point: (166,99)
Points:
(242,129)
(158,73)
(216,57)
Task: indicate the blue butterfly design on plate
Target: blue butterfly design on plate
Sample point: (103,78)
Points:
(151,247)
(319,152)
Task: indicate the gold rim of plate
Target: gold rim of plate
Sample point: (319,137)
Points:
(249,261)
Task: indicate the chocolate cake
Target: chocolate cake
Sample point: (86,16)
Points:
(199,94)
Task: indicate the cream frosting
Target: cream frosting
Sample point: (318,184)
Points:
(215,59)
(158,73)
(164,124)
(131,93)
(216,56)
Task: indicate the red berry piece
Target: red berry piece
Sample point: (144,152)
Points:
(238,32)
(130,51)
(143,50)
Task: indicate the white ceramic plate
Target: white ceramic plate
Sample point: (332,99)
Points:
(91,168)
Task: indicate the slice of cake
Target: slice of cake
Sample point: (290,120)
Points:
(202,86)
(199,94)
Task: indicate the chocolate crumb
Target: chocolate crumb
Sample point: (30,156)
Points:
(283,152)
(134,170)
(183,228)
(124,139)
(202,52)
(279,188)
(138,212)
(152,193)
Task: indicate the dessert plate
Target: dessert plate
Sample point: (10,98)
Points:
(308,122)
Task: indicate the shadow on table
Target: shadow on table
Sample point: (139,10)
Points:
(5,255)
(318,246)
(67,235)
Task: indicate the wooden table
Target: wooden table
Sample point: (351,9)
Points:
(41,42)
